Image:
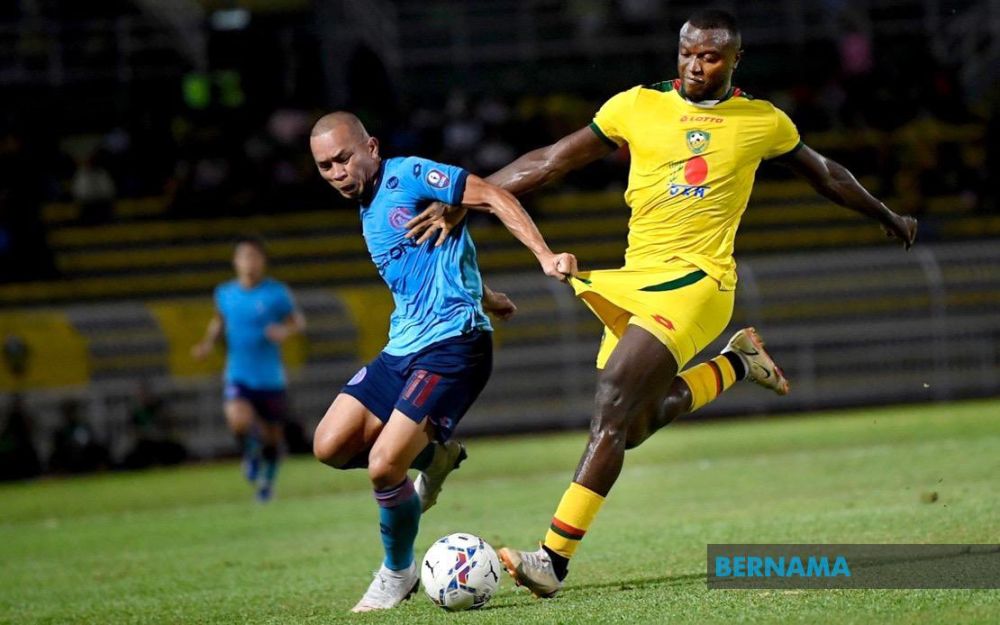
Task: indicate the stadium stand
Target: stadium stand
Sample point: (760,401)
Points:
(127,204)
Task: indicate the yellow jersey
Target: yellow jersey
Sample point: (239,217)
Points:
(692,171)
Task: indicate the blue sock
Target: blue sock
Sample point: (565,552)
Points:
(251,445)
(399,520)
(270,456)
(251,456)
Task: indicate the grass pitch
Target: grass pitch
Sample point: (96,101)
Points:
(189,546)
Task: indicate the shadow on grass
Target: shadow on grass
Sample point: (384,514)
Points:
(639,583)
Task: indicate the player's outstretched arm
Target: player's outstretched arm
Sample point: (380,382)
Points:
(483,196)
(294,323)
(834,181)
(527,173)
(498,304)
(201,349)
(544,165)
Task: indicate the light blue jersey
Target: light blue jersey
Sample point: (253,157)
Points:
(251,359)
(437,290)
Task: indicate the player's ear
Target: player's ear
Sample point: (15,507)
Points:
(373,147)
(739,57)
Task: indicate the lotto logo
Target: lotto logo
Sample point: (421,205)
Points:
(437,179)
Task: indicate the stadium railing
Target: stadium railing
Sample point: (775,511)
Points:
(850,327)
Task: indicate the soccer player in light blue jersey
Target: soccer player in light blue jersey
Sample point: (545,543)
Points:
(400,410)
(255,314)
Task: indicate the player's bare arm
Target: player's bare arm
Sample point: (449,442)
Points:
(201,349)
(498,304)
(834,181)
(481,195)
(544,165)
(294,323)
(529,172)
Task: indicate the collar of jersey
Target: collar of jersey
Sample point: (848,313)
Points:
(678,86)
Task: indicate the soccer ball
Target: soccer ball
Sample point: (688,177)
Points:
(460,572)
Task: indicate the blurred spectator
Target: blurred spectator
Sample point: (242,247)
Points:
(18,458)
(24,250)
(94,189)
(151,428)
(75,448)
(16,356)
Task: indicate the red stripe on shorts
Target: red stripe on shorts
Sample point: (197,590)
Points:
(418,376)
(432,380)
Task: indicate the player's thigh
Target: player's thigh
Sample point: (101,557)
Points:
(347,429)
(446,381)
(398,444)
(639,370)
(240,415)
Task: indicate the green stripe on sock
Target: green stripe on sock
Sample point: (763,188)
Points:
(564,533)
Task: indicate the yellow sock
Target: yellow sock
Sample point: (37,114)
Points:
(576,511)
(708,380)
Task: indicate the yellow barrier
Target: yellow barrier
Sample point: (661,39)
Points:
(57,352)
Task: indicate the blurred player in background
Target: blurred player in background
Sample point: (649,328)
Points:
(695,145)
(255,314)
(400,410)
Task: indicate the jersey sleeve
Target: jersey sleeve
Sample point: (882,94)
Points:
(430,180)
(785,138)
(284,303)
(217,299)
(611,120)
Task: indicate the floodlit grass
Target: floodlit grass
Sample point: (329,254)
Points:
(188,545)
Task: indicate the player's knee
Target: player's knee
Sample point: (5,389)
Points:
(385,472)
(328,452)
(612,403)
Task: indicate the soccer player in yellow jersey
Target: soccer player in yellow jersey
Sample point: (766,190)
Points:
(695,143)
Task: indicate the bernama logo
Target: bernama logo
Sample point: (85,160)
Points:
(768,566)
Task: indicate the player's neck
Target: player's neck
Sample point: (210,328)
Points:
(249,282)
(723,93)
(369,194)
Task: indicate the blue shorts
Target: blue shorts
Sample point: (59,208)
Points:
(270,405)
(439,382)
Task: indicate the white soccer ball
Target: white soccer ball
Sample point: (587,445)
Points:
(460,572)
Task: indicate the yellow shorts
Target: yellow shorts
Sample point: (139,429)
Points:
(683,307)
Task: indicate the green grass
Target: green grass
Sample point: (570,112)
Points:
(188,546)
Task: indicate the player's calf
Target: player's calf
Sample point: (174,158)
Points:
(446,458)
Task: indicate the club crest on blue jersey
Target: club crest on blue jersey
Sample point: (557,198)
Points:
(392,183)
(399,216)
(438,179)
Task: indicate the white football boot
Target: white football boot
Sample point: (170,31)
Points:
(761,369)
(447,457)
(531,569)
(389,589)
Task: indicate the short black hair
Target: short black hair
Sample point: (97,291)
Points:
(255,240)
(716,18)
